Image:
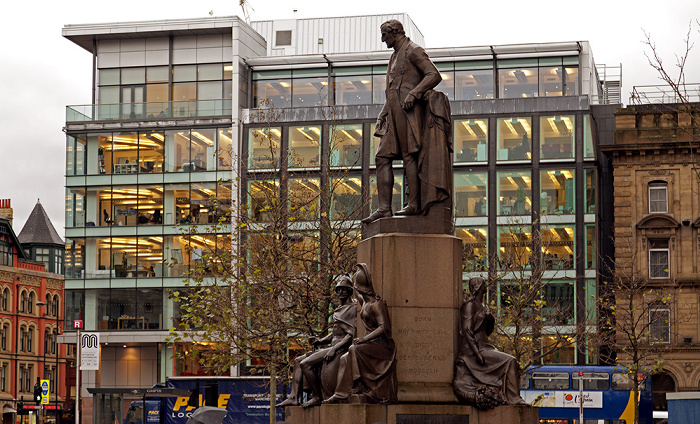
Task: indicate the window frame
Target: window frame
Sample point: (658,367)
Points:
(658,186)
(651,250)
(654,312)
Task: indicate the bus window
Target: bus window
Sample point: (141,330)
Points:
(592,381)
(586,421)
(553,421)
(622,382)
(550,380)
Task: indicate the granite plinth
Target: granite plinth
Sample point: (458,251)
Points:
(419,277)
(410,414)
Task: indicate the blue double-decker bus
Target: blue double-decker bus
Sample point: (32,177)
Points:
(607,395)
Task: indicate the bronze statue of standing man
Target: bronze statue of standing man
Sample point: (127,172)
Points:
(414,126)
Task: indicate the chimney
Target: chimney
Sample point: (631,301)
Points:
(6,210)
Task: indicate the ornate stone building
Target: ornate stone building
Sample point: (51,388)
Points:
(31,315)
(656,230)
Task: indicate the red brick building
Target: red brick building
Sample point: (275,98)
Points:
(31,305)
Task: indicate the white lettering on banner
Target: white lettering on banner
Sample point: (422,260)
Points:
(90,351)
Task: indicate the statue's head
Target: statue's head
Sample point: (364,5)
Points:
(393,26)
(391,32)
(476,284)
(363,280)
(343,283)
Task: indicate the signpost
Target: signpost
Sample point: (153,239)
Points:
(580,397)
(45,392)
(78,325)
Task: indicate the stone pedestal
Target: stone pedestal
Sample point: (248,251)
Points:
(410,414)
(419,276)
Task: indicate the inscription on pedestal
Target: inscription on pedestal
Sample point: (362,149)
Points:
(424,342)
(432,419)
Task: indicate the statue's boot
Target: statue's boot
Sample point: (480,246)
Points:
(379,213)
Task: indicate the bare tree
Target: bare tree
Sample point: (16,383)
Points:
(642,316)
(259,293)
(535,317)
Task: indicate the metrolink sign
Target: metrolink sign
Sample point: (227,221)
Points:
(90,351)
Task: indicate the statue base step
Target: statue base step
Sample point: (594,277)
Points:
(410,414)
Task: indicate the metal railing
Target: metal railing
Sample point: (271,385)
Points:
(150,110)
(664,94)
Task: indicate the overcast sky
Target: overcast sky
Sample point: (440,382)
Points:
(42,72)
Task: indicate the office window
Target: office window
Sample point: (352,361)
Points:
(346,145)
(518,78)
(551,80)
(373,145)
(308,92)
(514,139)
(658,197)
(514,193)
(346,200)
(304,146)
(514,246)
(471,140)
(570,79)
(304,194)
(474,80)
(263,200)
(591,251)
(590,199)
(557,137)
(660,323)
(659,258)
(475,253)
(272,89)
(588,137)
(470,189)
(558,246)
(75,254)
(557,191)
(559,303)
(264,148)
(379,84)
(447,85)
(224,149)
(353,89)
(151,152)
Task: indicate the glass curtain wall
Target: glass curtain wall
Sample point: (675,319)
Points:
(470,140)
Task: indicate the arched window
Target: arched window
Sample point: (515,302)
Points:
(55,306)
(5,298)
(54,344)
(48,304)
(3,336)
(30,303)
(22,338)
(30,339)
(47,348)
(22,301)
(658,197)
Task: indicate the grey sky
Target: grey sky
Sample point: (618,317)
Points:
(41,72)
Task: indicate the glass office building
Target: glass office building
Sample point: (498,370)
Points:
(172,109)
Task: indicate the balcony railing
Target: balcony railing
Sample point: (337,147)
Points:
(151,110)
(647,94)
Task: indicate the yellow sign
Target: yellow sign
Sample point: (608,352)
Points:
(44,392)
